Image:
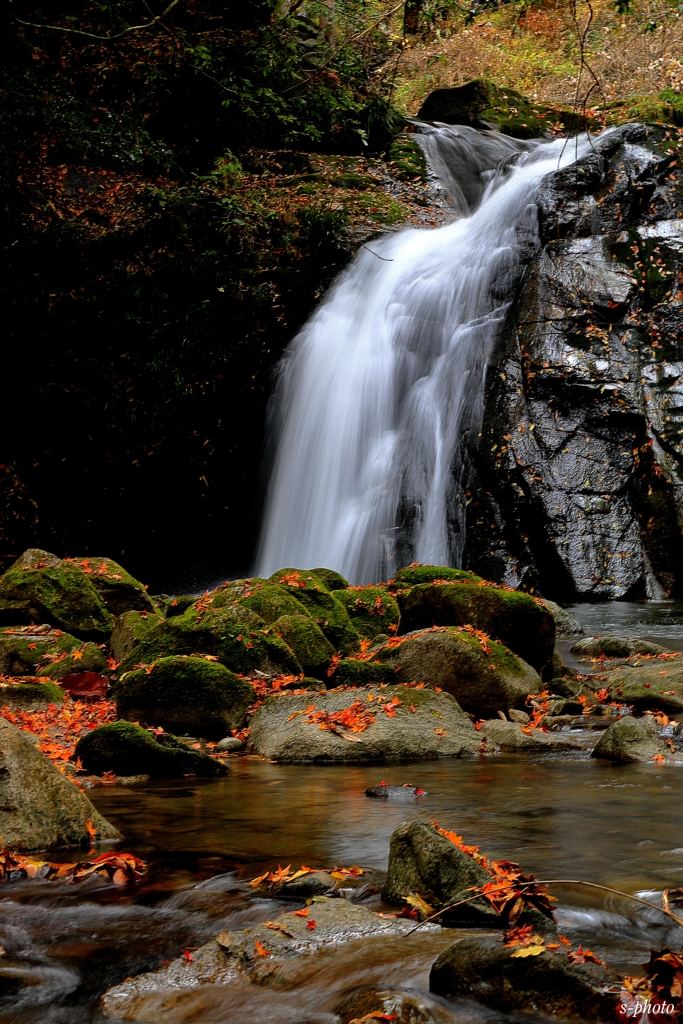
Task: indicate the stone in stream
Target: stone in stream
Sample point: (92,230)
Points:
(397,794)
(256,955)
(41,588)
(185,695)
(218,625)
(229,745)
(511,736)
(565,624)
(515,619)
(407,723)
(483,676)
(126,749)
(369,1004)
(40,809)
(424,861)
(645,683)
(615,647)
(482,968)
(634,739)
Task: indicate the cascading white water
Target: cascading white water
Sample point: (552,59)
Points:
(384,382)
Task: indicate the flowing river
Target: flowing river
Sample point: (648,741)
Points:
(559,816)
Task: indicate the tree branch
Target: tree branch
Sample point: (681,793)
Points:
(92,35)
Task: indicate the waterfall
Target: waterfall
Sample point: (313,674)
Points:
(379,391)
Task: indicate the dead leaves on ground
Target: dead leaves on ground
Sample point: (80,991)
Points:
(60,727)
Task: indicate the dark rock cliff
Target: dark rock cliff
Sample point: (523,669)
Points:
(576,480)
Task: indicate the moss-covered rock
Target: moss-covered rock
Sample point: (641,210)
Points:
(407,156)
(483,675)
(331,579)
(24,650)
(414,575)
(422,860)
(354,672)
(481,104)
(188,695)
(323,607)
(86,657)
(127,749)
(371,610)
(217,625)
(129,629)
(40,591)
(272,602)
(313,650)
(120,592)
(644,683)
(632,739)
(35,694)
(522,623)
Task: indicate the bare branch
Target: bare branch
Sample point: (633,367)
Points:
(92,35)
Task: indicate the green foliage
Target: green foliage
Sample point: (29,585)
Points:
(321,227)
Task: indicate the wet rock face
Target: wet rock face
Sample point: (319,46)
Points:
(577,478)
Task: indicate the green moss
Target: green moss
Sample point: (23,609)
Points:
(407,157)
(60,595)
(87,658)
(330,579)
(371,610)
(666,108)
(31,696)
(185,694)
(320,604)
(120,592)
(413,575)
(313,650)
(127,749)
(272,602)
(129,630)
(353,672)
(25,650)
(236,636)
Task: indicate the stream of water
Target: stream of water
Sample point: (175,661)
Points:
(559,816)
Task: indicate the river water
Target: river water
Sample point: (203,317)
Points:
(560,817)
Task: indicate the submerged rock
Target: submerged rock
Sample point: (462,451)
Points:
(483,676)
(523,624)
(511,736)
(126,749)
(319,726)
(397,794)
(40,809)
(482,968)
(40,588)
(257,954)
(633,739)
(615,647)
(191,696)
(388,1004)
(424,861)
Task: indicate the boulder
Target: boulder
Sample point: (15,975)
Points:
(481,104)
(401,722)
(356,672)
(415,575)
(127,749)
(518,620)
(614,647)
(129,629)
(234,958)
(30,694)
(371,1004)
(633,739)
(120,592)
(271,602)
(26,649)
(511,736)
(217,625)
(483,676)
(565,624)
(38,589)
(229,745)
(40,809)
(372,610)
(321,604)
(643,683)
(86,658)
(424,861)
(312,649)
(331,579)
(396,794)
(192,696)
(548,983)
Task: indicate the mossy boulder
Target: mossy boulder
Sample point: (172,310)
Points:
(42,590)
(645,683)
(632,739)
(183,694)
(321,604)
(516,619)
(272,602)
(120,592)
(407,157)
(313,650)
(87,657)
(129,629)
(414,575)
(483,675)
(371,610)
(354,672)
(331,579)
(217,625)
(548,983)
(481,104)
(424,861)
(26,650)
(127,749)
(35,694)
